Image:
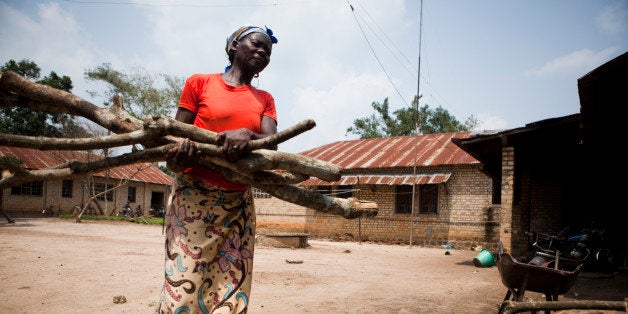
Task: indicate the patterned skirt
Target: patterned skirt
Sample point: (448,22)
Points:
(209,249)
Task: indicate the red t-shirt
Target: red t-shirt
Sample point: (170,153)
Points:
(219,107)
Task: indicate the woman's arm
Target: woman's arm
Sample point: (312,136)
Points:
(185,115)
(268,127)
(185,154)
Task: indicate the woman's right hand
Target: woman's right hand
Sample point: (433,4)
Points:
(182,156)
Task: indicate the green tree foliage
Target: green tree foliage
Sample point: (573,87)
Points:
(164,169)
(5,160)
(142,93)
(23,121)
(406,120)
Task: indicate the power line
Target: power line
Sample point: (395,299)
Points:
(375,55)
(399,51)
(231,4)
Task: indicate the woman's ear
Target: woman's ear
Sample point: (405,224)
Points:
(232,50)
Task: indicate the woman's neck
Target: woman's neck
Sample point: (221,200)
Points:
(236,78)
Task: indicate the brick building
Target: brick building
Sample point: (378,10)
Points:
(144,185)
(560,172)
(481,188)
(452,196)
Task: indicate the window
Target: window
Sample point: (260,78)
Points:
(257,193)
(101,187)
(31,188)
(324,189)
(66,188)
(344,191)
(403,199)
(428,198)
(131,194)
(497,191)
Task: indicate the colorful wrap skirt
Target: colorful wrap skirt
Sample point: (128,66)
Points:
(209,249)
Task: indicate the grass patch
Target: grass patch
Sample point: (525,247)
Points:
(141,220)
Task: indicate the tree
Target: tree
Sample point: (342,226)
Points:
(23,121)
(145,94)
(382,124)
(140,90)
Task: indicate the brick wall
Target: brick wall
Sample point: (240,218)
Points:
(537,209)
(274,216)
(465,217)
(32,206)
(545,199)
(507,191)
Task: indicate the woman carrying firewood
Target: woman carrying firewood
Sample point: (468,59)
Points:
(210,221)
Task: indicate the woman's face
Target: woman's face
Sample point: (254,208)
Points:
(253,52)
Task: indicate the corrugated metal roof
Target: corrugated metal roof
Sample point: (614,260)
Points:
(38,159)
(391,152)
(433,178)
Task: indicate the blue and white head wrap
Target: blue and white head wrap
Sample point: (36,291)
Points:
(248,29)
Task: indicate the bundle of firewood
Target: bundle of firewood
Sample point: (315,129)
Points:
(276,173)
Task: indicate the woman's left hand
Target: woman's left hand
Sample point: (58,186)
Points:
(235,143)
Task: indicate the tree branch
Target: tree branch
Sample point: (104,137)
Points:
(45,98)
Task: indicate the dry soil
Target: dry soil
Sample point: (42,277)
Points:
(52,265)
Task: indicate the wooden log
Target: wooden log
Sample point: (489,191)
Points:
(518,307)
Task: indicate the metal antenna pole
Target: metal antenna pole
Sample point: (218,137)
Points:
(416,126)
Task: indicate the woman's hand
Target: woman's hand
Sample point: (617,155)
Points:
(235,143)
(182,156)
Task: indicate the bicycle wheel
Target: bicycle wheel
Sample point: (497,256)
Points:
(617,258)
(610,259)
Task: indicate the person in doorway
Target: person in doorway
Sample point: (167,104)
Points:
(210,221)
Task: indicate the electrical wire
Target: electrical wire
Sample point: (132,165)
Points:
(405,64)
(247,4)
(375,55)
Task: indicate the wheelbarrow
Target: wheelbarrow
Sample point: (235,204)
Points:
(520,277)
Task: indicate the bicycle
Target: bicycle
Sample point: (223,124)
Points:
(589,247)
(49,211)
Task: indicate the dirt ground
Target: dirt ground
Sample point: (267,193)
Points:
(51,265)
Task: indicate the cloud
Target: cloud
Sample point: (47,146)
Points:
(573,64)
(333,109)
(490,122)
(612,19)
(53,40)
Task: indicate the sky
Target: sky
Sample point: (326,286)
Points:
(506,63)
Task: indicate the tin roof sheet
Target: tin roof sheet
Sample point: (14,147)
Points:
(391,152)
(38,159)
(383,179)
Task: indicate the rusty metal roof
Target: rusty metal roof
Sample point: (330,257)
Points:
(433,178)
(392,152)
(38,159)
